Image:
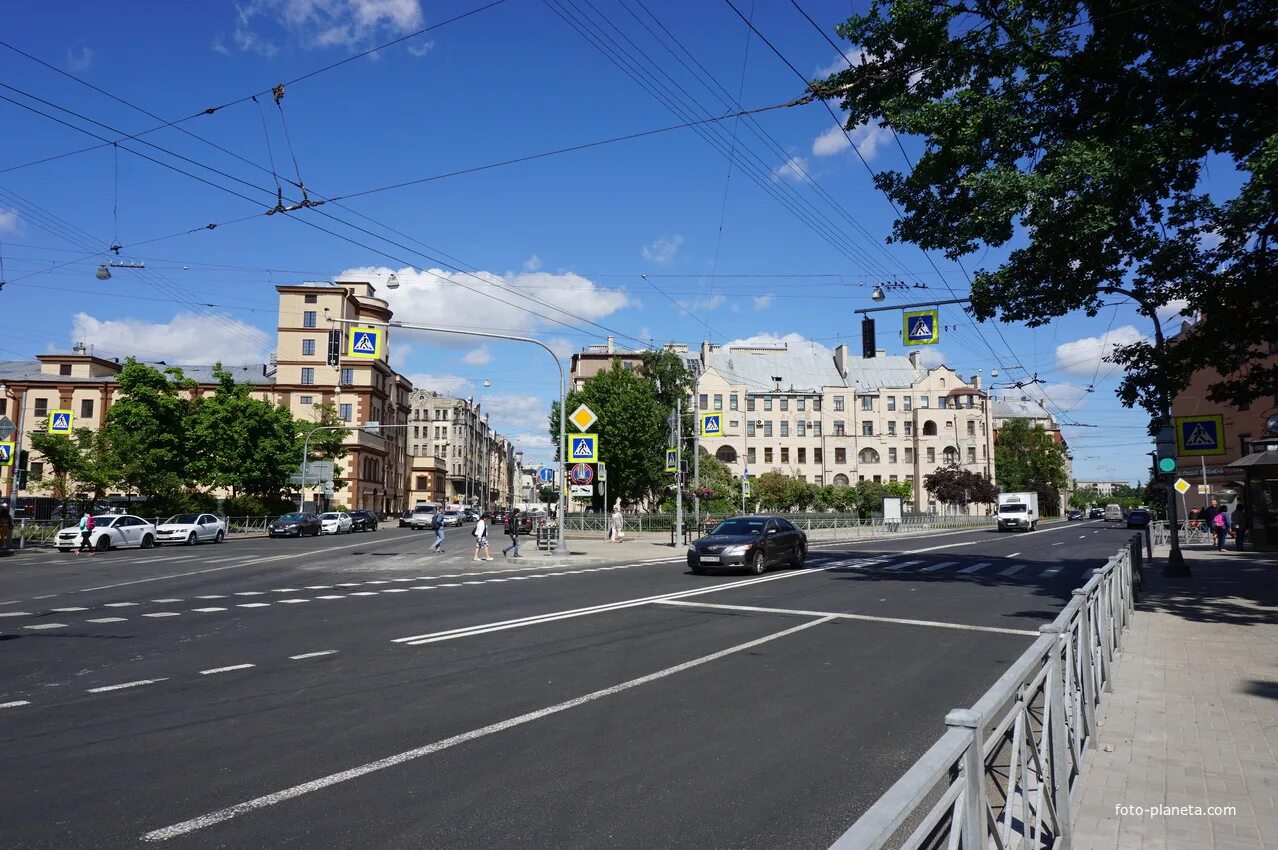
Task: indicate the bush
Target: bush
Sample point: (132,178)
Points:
(243,506)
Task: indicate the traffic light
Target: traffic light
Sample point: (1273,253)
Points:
(334,346)
(24,457)
(20,479)
(867,337)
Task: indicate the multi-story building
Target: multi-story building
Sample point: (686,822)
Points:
(593,359)
(479,464)
(842,419)
(1102,488)
(375,469)
(1006,408)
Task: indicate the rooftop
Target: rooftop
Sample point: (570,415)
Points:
(809,368)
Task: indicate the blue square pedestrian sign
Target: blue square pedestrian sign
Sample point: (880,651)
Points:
(672,460)
(583,448)
(1200,435)
(6,453)
(712,424)
(366,343)
(921,327)
(60,421)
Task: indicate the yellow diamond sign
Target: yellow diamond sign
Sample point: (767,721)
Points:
(1181,485)
(582,418)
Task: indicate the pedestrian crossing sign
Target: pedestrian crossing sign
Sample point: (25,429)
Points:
(712,425)
(921,327)
(583,448)
(6,453)
(672,460)
(60,421)
(1197,436)
(366,343)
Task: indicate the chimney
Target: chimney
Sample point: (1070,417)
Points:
(612,347)
(914,359)
(705,353)
(841,359)
(976,382)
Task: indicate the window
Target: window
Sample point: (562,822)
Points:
(867,402)
(749,455)
(734,424)
(929,428)
(819,480)
(767,402)
(892,479)
(867,428)
(308,319)
(4,408)
(909,428)
(801,403)
(891,427)
(767,455)
(816,403)
(891,402)
(749,427)
(838,402)
(838,427)
(840,455)
(307,399)
(909,455)
(767,428)
(37,470)
(703,402)
(868,455)
(950,456)
(817,456)
(718,401)
(907,403)
(308,348)
(344,412)
(924,401)
(727,454)
(311,299)
(785,427)
(803,455)
(308,375)
(840,480)
(423,482)
(931,454)
(64,368)
(971,427)
(909,479)
(942,402)
(892,455)
(732,402)
(816,429)
(800,428)
(42,407)
(971,454)
(785,455)
(348,376)
(785,403)
(750,402)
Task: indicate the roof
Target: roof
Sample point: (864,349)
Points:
(1018,408)
(1265,458)
(804,368)
(30,371)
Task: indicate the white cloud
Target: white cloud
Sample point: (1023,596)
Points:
(796,342)
(478,356)
(853,55)
(398,355)
(697,304)
(763,302)
(663,250)
(1082,356)
(186,338)
(323,23)
(532,264)
(8,221)
(867,138)
(1171,308)
(1057,397)
(931,356)
(795,168)
(562,348)
(79,60)
(454,385)
(421,48)
(511,411)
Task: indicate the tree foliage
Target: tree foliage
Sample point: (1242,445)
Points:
(328,444)
(146,429)
(1081,134)
(1026,458)
(954,485)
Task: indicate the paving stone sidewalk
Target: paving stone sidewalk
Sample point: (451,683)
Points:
(1193,718)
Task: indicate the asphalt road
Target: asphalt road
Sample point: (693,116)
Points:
(360,692)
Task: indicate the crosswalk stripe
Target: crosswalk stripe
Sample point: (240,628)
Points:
(1050,571)
(902,565)
(1013,570)
(937,567)
(975,567)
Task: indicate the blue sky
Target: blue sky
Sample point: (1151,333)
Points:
(620,238)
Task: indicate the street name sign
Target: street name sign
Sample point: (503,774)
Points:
(366,343)
(583,448)
(60,421)
(921,327)
(582,418)
(712,424)
(1182,486)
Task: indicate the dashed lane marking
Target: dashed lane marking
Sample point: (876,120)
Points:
(285,589)
(250,593)
(1062,543)
(41,626)
(207,610)
(306,655)
(975,567)
(69,610)
(1049,572)
(332,596)
(291,601)
(901,566)
(938,567)
(166,601)
(17,614)
(226,669)
(164,614)
(108,620)
(212,596)
(1013,570)
(15,704)
(119,605)
(139,683)
(364,593)
(254,605)
(1013,555)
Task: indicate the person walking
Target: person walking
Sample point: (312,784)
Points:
(437,525)
(6,528)
(1220,525)
(1239,523)
(615,532)
(86,531)
(481,539)
(512,530)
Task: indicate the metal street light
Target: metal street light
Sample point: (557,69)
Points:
(103,273)
(392,282)
(877,294)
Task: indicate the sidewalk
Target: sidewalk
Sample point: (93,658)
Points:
(1193,718)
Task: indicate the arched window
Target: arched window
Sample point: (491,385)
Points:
(868,455)
(942,382)
(929,428)
(841,480)
(950,455)
(727,454)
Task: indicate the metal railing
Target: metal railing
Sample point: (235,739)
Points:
(32,532)
(1191,533)
(1004,772)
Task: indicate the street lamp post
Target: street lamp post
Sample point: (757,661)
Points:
(561,547)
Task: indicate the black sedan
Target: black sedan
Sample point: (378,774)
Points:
(294,525)
(363,521)
(1096,513)
(1075,514)
(1138,518)
(754,543)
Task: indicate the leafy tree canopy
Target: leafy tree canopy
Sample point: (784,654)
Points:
(146,428)
(954,485)
(1081,134)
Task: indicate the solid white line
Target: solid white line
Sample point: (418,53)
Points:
(1013,570)
(226,669)
(247,806)
(975,567)
(124,685)
(312,655)
(937,567)
(40,626)
(15,703)
(866,617)
(108,620)
(163,614)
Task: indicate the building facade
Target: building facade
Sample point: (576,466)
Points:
(480,466)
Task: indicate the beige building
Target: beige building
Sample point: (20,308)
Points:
(375,469)
(480,466)
(843,419)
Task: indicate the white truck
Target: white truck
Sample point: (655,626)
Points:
(1017,511)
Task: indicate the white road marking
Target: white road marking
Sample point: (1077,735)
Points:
(231,558)
(17,614)
(108,620)
(382,581)
(395,590)
(1013,570)
(332,596)
(15,704)
(166,600)
(1062,543)
(119,604)
(975,567)
(478,582)
(250,593)
(71,610)
(212,596)
(163,614)
(225,669)
(139,683)
(355,583)
(254,605)
(319,587)
(291,601)
(312,655)
(1013,555)
(1050,571)
(247,806)
(170,558)
(1084,536)
(901,566)
(450,585)
(417,587)
(207,610)
(38,626)
(834,615)
(364,593)
(938,567)
(285,589)
(403,579)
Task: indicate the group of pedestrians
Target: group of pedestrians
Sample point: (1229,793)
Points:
(482,550)
(1224,525)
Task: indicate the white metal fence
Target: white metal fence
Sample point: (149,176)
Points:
(31,532)
(1191,533)
(1003,773)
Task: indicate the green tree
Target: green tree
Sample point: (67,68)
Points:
(64,457)
(146,429)
(1024,453)
(327,444)
(869,497)
(772,490)
(1081,134)
(900,490)
(1085,498)
(954,485)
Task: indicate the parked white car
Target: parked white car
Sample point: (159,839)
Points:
(335,522)
(109,532)
(190,529)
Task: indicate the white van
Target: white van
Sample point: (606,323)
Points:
(1017,511)
(1113,513)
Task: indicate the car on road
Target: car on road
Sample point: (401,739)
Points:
(1075,514)
(191,529)
(294,525)
(1096,513)
(335,522)
(753,543)
(470,515)
(406,519)
(423,516)
(1138,518)
(110,531)
(453,518)
(362,520)
(1114,513)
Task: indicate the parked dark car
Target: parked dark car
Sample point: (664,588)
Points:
(1138,518)
(294,525)
(754,543)
(404,519)
(1096,513)
(362,520)
(1075,514)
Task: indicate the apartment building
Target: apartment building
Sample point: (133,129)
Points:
(842,419)
(375,468)
(593,359)
(480,465)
